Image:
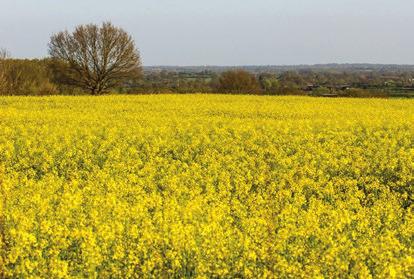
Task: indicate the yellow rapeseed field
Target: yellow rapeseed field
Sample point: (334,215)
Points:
(206,186)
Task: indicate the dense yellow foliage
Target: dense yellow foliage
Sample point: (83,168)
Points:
(206,186)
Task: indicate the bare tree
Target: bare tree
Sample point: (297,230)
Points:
(237,82)
(97,58)
(4,55)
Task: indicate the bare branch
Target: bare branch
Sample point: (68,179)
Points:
(98,57)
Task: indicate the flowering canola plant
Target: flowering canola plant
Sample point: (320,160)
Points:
(201,186)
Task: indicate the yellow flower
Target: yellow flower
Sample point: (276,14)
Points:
(202,186)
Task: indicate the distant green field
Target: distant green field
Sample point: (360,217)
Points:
(206,186)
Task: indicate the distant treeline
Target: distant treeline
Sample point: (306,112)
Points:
(43,77)
(257,69)
(346,81)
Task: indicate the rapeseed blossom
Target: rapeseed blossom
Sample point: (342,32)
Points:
(203,186)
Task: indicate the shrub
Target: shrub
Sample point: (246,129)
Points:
(237,82)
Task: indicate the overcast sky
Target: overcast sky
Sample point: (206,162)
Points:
(226,32)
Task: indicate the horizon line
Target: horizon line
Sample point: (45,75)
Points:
(284,65)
